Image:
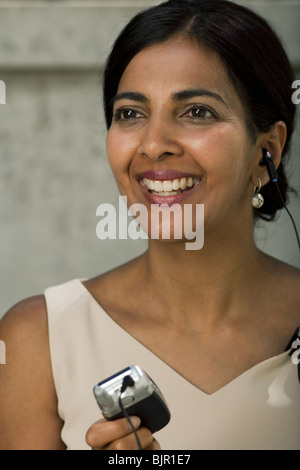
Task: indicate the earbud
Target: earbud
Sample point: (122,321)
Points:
(268,162)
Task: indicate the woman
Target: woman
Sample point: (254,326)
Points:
(196,93)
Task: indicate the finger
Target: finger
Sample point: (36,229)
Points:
(129,442)
(102,432)
(154,445)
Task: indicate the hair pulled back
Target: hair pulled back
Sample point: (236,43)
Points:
(250,51)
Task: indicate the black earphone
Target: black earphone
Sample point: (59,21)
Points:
(268,162)
(273,175)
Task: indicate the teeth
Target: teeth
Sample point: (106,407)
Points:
(170,187)
(190,182)
(165,193)
(176,185)
(158,186)
(167,186)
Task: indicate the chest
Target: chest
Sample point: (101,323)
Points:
(210,362)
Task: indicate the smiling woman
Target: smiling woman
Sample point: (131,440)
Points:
(191,116)
(178,131)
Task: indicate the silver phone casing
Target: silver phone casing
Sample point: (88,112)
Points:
(143,399)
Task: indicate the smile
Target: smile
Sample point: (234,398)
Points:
(170,187)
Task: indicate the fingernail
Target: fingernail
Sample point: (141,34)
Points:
(136,421)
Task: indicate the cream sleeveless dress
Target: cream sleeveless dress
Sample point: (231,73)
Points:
(260,409)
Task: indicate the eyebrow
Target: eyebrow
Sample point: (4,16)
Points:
(130,95)
(194,93)
(177,96)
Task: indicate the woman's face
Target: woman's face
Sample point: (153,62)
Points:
(179,133)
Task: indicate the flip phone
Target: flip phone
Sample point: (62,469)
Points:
(140,397)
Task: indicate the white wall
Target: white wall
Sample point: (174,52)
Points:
(53,171)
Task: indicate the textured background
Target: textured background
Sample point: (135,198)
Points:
(53,171)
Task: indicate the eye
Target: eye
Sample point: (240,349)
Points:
(126,114)
(200,112)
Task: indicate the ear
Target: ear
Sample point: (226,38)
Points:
(273,141)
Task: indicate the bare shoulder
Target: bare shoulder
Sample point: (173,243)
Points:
(284,290)
(293,290)
(32,422)
(290,277)
(24,331)
(30,313)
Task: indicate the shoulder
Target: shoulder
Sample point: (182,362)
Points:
(289,276)
(30,423)
(27,319)
(284,290)
(32,313)
(24,331)
(280,272)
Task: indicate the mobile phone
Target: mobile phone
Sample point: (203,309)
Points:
(141,398)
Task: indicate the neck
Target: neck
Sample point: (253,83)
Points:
(217,280)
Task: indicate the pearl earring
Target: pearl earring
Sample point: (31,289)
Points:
(257,199)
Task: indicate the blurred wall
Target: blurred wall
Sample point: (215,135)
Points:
(53,171)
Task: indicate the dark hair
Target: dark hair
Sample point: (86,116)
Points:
(251,52)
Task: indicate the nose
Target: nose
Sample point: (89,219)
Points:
(159,140)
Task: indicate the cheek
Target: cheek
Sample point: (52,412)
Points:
(223,154)
(120,151)
(117,152)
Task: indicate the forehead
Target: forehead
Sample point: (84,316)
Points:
(176,64)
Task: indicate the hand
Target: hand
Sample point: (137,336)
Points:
(118,435)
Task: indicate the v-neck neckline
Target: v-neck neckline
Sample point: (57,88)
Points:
(278,359)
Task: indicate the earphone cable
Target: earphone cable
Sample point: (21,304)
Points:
(290,215)
(128,381)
